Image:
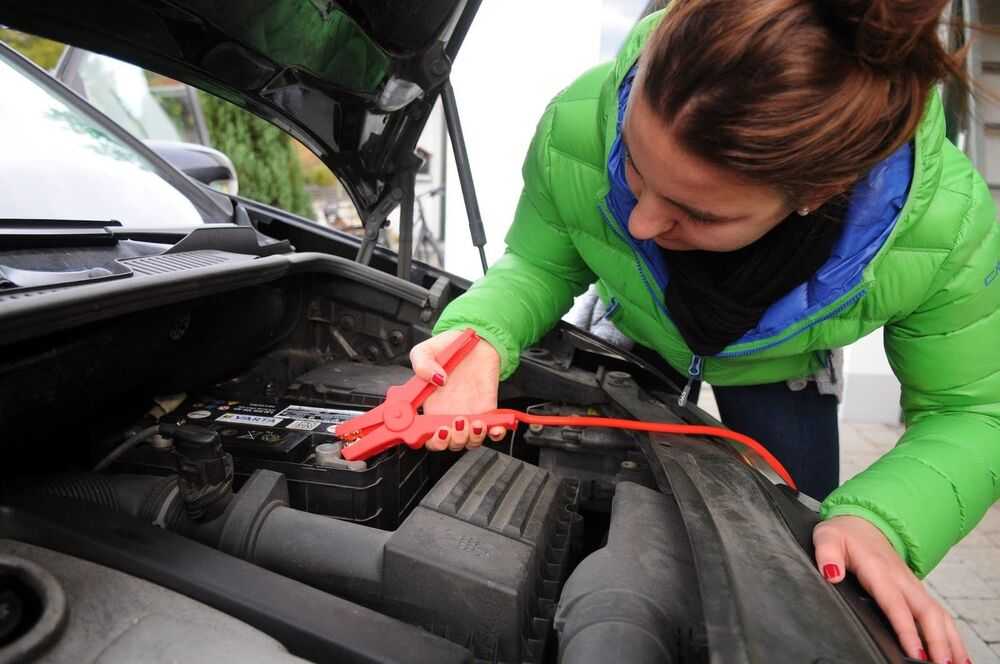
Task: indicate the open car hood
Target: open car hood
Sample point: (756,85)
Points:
(353,80)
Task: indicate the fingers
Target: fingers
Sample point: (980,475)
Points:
(895,607)
(930,618)
(459,434)
(937,627)
(917,618)
(832,559)
(423,358)
(476,434)
(426,367)
(831,554)
(959,654)
(463,435)
(439,441)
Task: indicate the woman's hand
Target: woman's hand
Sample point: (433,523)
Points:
(851,543)
(470,389)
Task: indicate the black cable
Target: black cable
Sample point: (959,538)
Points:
(134,440)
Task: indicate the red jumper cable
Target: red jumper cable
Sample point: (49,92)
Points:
(397,420)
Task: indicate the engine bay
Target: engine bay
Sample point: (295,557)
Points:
(481,527)
(183,452)
(245,390)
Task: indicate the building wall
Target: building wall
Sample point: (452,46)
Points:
(871,391)
(517,56)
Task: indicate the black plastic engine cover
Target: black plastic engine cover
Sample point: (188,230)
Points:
(483,557)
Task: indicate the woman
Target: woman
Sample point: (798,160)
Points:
(751,184)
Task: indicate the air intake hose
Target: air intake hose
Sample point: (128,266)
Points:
(631,601)
(257,525)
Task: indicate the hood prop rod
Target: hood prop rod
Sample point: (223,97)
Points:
(476,228)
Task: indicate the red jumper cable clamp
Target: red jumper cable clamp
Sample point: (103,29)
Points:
(397,420)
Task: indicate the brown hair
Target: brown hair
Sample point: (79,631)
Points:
(805,95)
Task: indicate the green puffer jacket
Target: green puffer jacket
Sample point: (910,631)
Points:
(921,260)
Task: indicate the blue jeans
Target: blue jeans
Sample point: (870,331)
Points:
(799,428)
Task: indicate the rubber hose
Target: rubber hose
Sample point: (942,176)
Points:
(337,556)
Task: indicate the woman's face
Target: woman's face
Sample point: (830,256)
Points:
(685,203)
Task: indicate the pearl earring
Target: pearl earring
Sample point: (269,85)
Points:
(804,212)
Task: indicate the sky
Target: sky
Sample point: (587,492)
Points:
(618,17)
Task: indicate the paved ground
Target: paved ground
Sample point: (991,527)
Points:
(968,580)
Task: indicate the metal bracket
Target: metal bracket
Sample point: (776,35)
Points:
(375,222)
(402,193)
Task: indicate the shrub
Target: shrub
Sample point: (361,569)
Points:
(267,166)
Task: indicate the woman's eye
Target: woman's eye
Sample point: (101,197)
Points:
(629,163)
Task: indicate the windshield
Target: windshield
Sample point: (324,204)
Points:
(123,93)
(57,162)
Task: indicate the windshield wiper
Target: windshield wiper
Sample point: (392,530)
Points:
(34,233)
(18,278)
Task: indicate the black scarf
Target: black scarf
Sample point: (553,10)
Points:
(715,298)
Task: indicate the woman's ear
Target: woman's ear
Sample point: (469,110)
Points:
(817,198)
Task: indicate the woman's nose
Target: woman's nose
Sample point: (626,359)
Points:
(646,223)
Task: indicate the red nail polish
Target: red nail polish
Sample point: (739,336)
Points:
(922,654)
(459,425)
(438,380)
(477,430)
(443,434)
(831,572)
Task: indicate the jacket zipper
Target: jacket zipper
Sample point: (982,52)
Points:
(638,261)
(834,378)
(694,373)
(613,306)
(845,305)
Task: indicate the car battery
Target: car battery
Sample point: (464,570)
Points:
(283,437)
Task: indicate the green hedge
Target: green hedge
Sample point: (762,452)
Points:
(265,160)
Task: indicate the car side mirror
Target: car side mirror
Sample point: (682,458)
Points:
(204,164)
